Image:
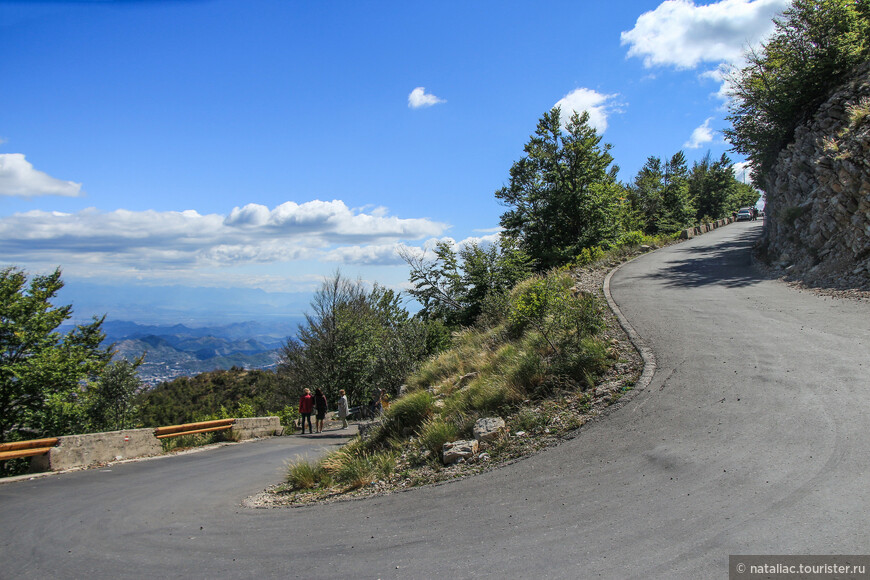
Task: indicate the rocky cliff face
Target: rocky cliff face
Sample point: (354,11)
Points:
(818,195)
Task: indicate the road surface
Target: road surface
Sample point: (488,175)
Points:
(750,439)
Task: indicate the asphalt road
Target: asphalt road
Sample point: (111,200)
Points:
(751,438)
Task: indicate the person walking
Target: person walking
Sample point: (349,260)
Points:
(306,407)
(320,404)
(342,409)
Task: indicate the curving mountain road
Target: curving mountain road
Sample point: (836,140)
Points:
(750,438)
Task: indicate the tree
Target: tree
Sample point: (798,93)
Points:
(455,286)
(711,187)
(111,398)
(563,193)
(815,47)
(659,197)
(678,210)
(354,340)
(41,370)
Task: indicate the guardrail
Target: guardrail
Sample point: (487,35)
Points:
(26,448)
(75,451)
(194,428)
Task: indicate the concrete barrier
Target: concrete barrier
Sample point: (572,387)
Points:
(704,228)
(253,427)
(77,451)
(96,448)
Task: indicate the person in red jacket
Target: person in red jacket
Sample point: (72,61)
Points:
(306,407)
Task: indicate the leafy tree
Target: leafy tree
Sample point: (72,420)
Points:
(646,193)
(678,211)
(111,398)
(815,47)
(41,371)
(744,195)
(456,286)
(711,187)
(354,340)
(563,193)
(659,197)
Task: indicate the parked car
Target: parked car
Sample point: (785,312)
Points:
(744,215)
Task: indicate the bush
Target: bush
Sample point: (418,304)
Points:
(435,433)
(530,420)
(289,415)
(302,474)
(635,238)
(407,414)
(589,256)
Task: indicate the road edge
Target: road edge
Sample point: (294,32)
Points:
(646,353)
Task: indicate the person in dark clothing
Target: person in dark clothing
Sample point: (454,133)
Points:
(320,404)
(306,407)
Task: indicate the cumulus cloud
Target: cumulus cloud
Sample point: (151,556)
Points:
(420,98)
(700,136)
(147,241)
(19,178)
(598,105)
(681,34)
(743,171)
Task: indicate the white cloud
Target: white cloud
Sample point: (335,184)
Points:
(153,242)
(19,178)
(420,98)
(700,136)
(598,106)
(743,171)
(681,34)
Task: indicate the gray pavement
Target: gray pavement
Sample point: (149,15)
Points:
(750,438)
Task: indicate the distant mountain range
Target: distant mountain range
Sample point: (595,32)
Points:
(179,350)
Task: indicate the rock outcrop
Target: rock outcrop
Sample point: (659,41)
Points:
(818,193)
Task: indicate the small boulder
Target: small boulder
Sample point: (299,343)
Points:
(456,450)
(488,428)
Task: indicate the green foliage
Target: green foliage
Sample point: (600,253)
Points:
(302,474)
(712,186)
(354,339)
(406,414)
(217,394)
(548,304)
(660,196)
(563,194)
(289,415)
(112,397)
(435,433)
(530,420)
(41,372)
(815,47)
(634,238)
(589,256)
(457,286)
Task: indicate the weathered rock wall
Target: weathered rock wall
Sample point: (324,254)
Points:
(818,195)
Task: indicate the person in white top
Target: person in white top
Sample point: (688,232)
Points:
(342,409)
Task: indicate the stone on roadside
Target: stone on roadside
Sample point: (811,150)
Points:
(454,451)
(488,428)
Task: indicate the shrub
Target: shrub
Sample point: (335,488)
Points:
(289,415)
(490,394)
(302,474)
(634,238)
(589,256)
(530,420)
(407,414)
(584,362)
(435,433)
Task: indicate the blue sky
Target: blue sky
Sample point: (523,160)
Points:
(160,147)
